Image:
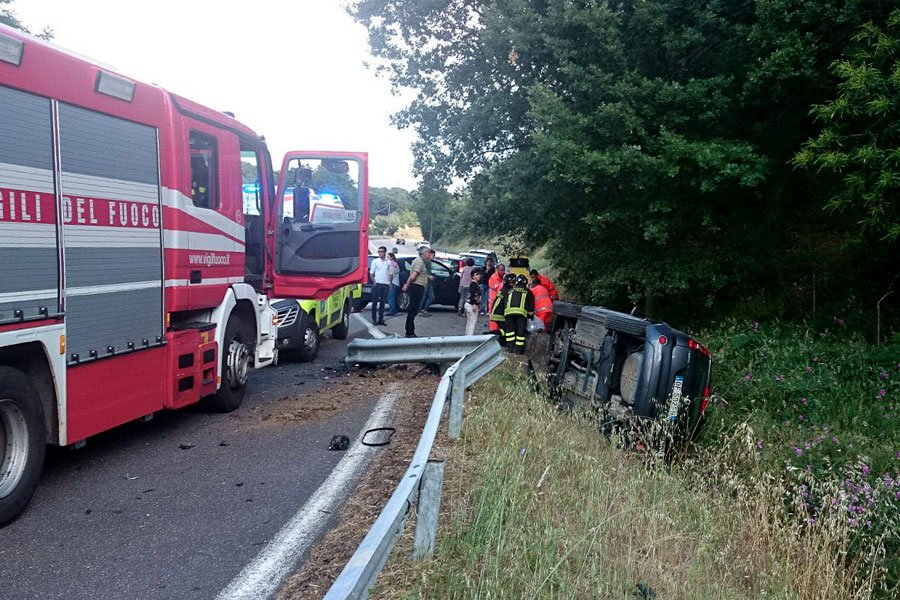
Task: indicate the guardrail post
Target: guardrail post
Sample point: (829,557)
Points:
(457,397)
(427,510)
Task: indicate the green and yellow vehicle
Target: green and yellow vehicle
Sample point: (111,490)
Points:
(301,322)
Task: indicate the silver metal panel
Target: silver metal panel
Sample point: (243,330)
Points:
(29,271)
(106,266)
(113,268)
(24,269)
(115,319)
(103,146)
(26,137)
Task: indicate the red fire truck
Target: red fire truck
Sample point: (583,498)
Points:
(135,267)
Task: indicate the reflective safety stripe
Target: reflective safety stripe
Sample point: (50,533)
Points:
(515,305)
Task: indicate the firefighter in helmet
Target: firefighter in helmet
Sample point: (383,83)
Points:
(498,307)
(519,308)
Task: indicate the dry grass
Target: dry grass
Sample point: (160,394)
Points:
(537,505)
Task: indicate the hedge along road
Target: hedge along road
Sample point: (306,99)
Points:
(190,505)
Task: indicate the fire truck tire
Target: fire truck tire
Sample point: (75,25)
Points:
(340,331)
(22,442)
(310,347)
(236,353)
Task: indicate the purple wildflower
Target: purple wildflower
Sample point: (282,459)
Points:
(798,451)
(882,393)
(809,369)
(805,401)
(748,377)
(759,444)
(866,469)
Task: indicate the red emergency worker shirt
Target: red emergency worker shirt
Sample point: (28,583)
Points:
(543,305)
(551,289)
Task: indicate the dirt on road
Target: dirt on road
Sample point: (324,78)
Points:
(329,556)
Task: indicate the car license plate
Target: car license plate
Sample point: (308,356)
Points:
(676,397)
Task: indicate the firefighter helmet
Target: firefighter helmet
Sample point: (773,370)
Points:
(521,280)
(509,279)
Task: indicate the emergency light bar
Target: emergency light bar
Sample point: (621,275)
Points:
(115,86)
(11,50)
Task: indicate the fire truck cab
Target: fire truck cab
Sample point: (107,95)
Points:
(141,237)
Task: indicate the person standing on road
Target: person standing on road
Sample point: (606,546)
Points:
(473,302)
(428,296)
(415,287)
(519,308)
(394,290)
(381,273)
(497,317)
(494,285)
(485,288)
(465,279)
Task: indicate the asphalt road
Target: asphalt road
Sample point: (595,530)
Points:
(177,506)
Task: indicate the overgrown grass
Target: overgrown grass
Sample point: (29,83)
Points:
(821,414)
(537,505)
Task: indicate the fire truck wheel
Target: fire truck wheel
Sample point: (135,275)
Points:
(340,331)
(310,348)
(22,442)
(236,351)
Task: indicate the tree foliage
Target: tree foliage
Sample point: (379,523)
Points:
(648,143)
(860,140)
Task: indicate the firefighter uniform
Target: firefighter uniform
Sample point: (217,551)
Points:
(497,315)
(519,307)
(495,285)
(543,305)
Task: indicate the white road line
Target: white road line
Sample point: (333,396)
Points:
(262,577)
(373,331)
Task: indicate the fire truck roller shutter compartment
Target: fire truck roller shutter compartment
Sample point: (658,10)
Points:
(29,269)
(112,222)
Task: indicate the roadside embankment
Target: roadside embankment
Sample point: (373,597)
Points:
(537,505)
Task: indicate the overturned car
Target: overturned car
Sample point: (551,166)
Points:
(631,371)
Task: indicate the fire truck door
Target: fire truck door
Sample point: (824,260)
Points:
(320,224)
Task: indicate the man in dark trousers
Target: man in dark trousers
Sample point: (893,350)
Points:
(519,308)
(381,271)
(415,287)
(497,314)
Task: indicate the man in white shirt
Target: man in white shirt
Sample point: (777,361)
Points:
(381,272)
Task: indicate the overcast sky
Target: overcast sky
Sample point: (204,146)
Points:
(292,70)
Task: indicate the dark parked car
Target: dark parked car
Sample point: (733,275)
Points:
(629,369)
(446,282)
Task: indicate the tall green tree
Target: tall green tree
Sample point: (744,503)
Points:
(860,137)
(648,142)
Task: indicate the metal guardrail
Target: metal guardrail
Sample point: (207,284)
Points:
(366,563)
(442,349)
